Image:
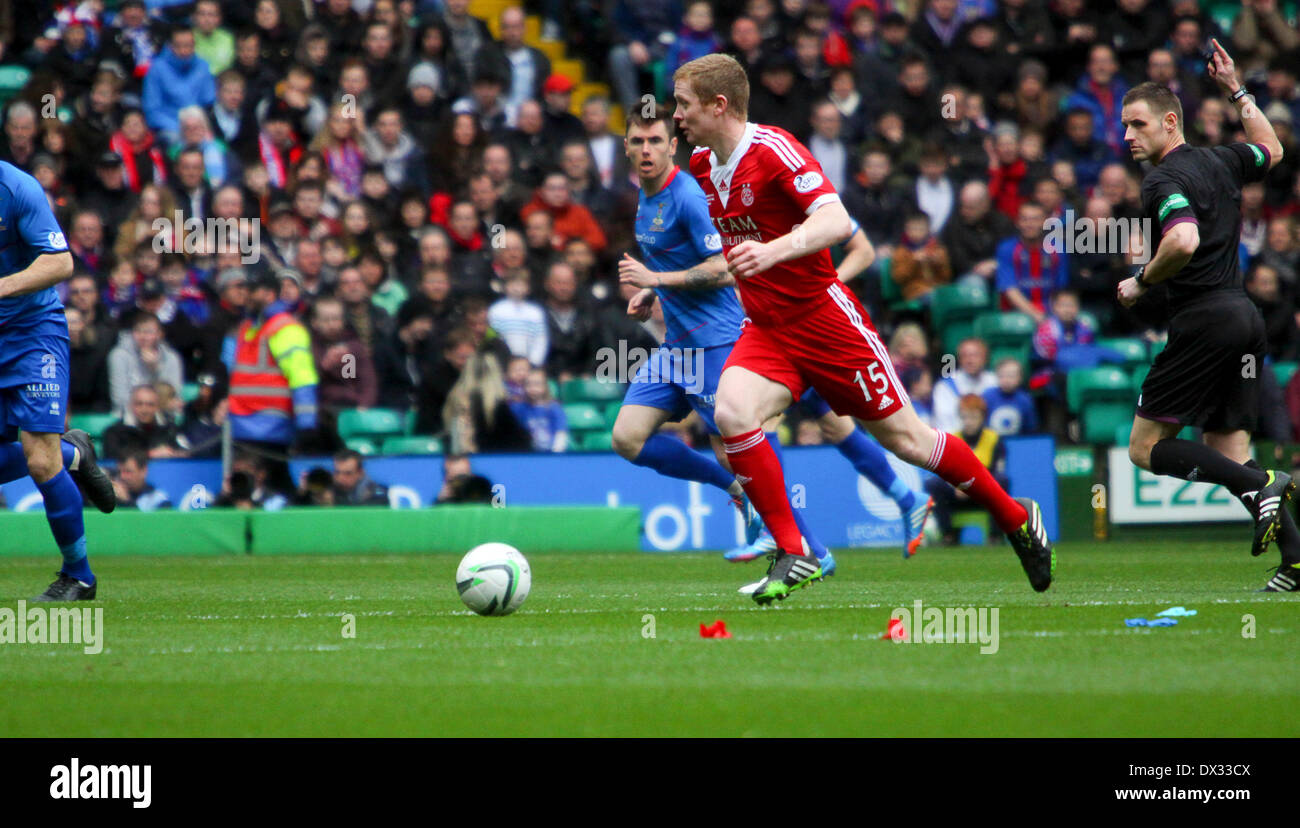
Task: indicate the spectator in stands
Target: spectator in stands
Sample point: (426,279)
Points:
(542,416)
(1010,408)
(561,125)
(1161,68)
(972,235)
(88,349)
(389,145)
(529,66)
(695,37)
(641,31)
(916,99)
(142,358)
(782,97)
(971,377)
(108,196)
(1027,275)
(352,486)
(920,262)
(920,390)
(203,418)
(177,78)
(20,135)
(371,323)
(132,487)
(569,220)
(315,488)
(86,243)
(142,428)
(584,186)
(826,145)
(570,325)
(516,377)
(1101,91)
(192,192)
(1279,312)
(875,202)
(212,42)
(1081,148)
(250,485)
(990,450)
(461,485)
(1282,253)
(343,364)
(520,323)
(934,191)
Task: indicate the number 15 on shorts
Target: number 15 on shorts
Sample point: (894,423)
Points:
(878,379)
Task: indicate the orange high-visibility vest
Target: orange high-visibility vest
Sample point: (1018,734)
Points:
(256,382)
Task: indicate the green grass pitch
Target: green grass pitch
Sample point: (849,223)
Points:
(255,647)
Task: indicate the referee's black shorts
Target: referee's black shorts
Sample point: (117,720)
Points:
(1208,374)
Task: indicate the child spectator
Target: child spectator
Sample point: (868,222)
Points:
(695,38)
(990,450)
(521,324)
(920,389)
(541,416)
(1011,410)
(920,261)
(517,370)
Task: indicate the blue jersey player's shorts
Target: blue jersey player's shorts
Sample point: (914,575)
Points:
(34,378)
(813,405)
(678,380)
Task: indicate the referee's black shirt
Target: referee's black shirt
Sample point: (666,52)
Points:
(1203,185)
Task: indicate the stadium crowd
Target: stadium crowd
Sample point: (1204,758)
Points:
(446,231)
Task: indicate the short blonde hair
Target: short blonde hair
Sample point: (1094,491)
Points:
(714,75)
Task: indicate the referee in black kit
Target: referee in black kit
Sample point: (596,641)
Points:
(1206,375)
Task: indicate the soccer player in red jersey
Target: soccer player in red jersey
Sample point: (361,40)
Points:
(777,216)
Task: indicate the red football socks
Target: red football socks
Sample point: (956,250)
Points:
(759,471)
(953,460)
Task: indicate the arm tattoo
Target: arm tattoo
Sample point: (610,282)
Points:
(698,278)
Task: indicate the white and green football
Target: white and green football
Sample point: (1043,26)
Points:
(493,579)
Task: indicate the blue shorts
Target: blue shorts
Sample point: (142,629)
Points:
(34,378)
(678,380)
(813,405)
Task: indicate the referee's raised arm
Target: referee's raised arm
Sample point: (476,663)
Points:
(1258,129)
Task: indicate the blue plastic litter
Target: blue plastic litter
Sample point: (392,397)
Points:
(1152,622)
(1176,612)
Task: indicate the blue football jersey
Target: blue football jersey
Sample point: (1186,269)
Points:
(27,230)
(675,232)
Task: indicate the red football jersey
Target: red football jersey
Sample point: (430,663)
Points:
(770,183)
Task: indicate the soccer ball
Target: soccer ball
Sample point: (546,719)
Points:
(493,579)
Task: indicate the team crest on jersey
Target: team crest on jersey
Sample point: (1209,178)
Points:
(746,195)
(807,182)
(657,223)
(57,241)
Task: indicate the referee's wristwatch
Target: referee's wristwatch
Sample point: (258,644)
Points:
(1137,277)
(1241,93)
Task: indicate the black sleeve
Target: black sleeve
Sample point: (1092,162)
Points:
(1248,162)
(1165,202)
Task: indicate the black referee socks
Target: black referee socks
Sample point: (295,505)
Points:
(1189,460)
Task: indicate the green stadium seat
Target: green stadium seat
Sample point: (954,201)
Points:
(12,81)
(554,388)
(1139,376)
(1090,318)
(1087,385)
(190,391)
(1020,354)
(953,309)
(595,441)
(584,417)
(591,389)
(1284,371)
(408,423)
(1134,350)
(361,445)
(1156,347)
(93,424)
(412,445)
(1122,432)
(1008,329)
(1103,420)
(611,414)
(376,423)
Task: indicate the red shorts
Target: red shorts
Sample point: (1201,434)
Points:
(834,349)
